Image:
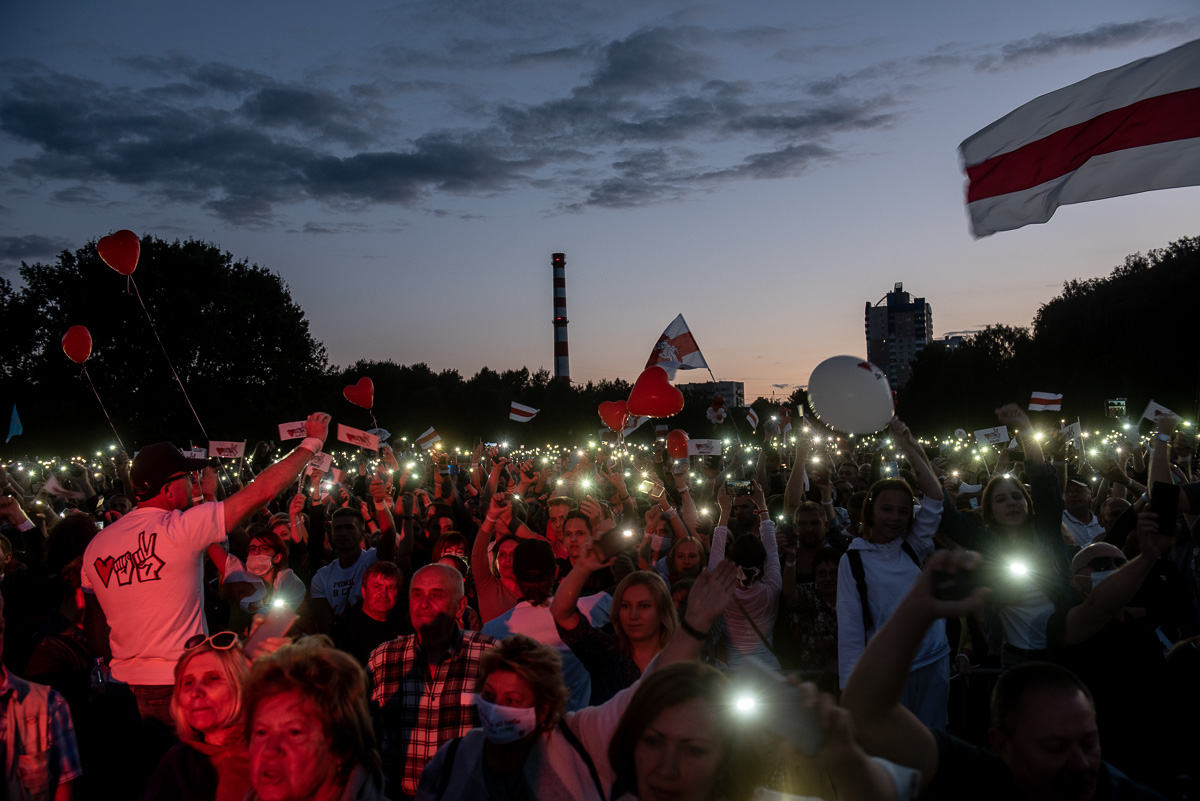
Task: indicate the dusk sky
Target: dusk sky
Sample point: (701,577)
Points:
(763,168)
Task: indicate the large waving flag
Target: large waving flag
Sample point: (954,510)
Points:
(677,349)
(1131,129)
(14,425)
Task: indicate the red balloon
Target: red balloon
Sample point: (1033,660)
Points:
(677,444)
(614,413)
(653,395)
(77,344)
(120,251)
(361,394)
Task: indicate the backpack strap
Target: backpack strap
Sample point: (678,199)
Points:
(583,754)
(908,549)
(860,581)
(447,768)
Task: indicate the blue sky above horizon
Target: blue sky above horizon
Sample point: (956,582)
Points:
(408,168)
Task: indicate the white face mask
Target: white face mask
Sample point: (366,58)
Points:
(505,724)
(1100,576)
(260,564)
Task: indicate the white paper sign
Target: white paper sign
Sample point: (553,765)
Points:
(704,447)
(319,464)
(225,449)
(1155,411)
(357,437)
(291,430)
(992,436)
(195,453)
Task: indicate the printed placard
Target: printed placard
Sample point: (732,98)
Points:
(195,453)
(357,437)
(225,449)
(319,464)
(992,436)
(704,447)
(292,430)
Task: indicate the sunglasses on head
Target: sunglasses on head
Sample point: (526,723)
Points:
(1102,563)
(221,641)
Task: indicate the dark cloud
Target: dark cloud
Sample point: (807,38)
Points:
(16,249)
(1044,46)
(79,193)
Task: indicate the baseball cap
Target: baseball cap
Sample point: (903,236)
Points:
(533,560)
(155,464)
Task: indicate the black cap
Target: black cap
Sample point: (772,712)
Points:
(156,463)
(533,561)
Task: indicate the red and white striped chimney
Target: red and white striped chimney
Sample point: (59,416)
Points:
(562,367)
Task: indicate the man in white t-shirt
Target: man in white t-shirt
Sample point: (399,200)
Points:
(143,575)
(337,586)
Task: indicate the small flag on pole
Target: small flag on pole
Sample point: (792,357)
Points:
(676,349)
(14,425)
(427,439)
(632,424)
(522,413)
(785,420)
(752,417)
(1045,402)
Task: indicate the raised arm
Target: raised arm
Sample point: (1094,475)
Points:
(276,478)
(1012,415)
(565,607)
(793,493)
(872,692)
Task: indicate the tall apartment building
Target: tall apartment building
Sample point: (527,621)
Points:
(898,327)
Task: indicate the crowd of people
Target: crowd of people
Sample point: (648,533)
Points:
(814,617)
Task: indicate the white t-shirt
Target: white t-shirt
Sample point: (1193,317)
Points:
(538,623)
(342,586)
(147,572)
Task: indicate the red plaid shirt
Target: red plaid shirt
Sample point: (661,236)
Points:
(417,711)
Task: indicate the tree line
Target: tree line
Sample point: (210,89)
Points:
(243,349)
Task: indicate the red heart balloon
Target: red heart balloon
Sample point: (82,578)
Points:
(120,251)
(77,344)
(614,413)
(653,395)
(677,444)
(361,394)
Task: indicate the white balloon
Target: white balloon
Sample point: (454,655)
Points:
(851,395)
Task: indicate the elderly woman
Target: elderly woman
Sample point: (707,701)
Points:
(308,727)
(210,761)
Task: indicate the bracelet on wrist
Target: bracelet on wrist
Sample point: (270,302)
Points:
(313,444)
(692,632)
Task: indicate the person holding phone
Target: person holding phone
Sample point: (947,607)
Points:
(1022,529)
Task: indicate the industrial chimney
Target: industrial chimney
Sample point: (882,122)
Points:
(562,369)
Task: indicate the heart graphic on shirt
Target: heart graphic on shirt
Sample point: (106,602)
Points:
(104,567)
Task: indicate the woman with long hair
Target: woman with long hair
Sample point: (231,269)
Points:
(683,737)
(643,617)
(1021,538)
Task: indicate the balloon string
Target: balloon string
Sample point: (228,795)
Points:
(168,358)
(106,417)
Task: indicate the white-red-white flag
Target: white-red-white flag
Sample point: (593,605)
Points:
(427,439)
(752,417)
(1045,402)
(785,420)
(676,349)
(632,424)
(1131,129)
(522,413)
